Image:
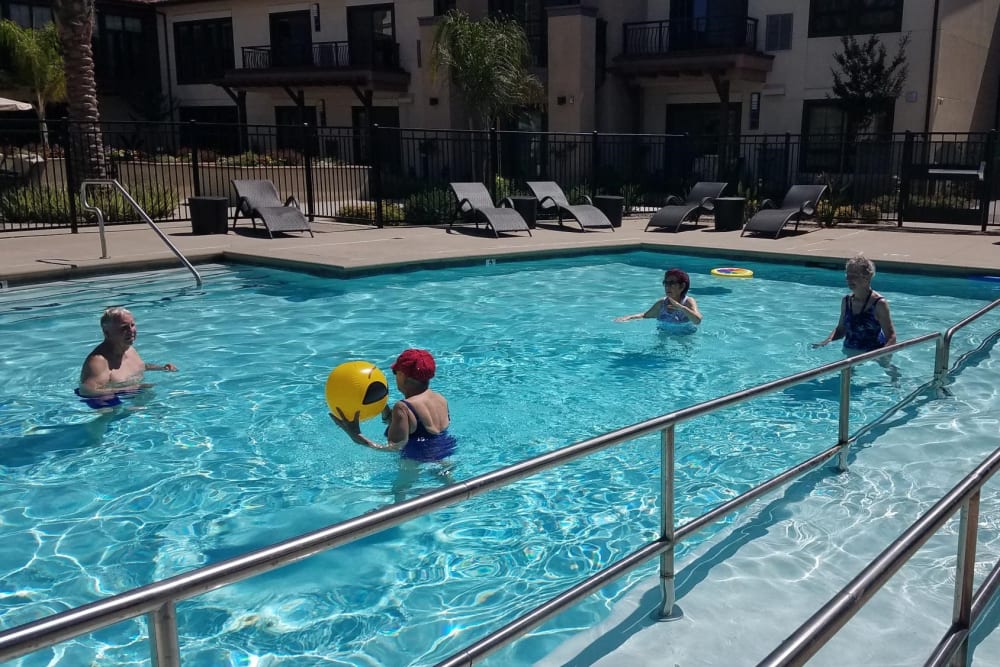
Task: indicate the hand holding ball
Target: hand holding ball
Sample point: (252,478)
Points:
(357,387)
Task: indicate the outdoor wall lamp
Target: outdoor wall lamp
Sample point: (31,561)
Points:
(316,17)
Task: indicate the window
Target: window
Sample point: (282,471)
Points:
(204,50)
(371,32)
(824,124)
(778,34)
(29,16)
(854,17)
(532,17)
(121,48)
(442,7)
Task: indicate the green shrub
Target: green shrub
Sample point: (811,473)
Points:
(869,214)
(35,206)
(50,206)
(430,207)
(392,214)
(578,194)
(632,192)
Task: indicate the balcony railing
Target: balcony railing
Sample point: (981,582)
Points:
(658,38)
(379,54)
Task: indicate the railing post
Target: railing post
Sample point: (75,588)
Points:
(308,135)
(941,354)
(986,185)
(164,650)
(195,171)
(595,163)
(965,567)
(375,175)
(844,427)
(72,184)
(785,175)
(668,611)
(905,169)
(493,169)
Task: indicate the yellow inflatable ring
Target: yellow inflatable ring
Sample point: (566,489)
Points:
(732,272)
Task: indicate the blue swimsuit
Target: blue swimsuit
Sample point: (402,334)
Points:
(425,446)
(862,331)
(675,321)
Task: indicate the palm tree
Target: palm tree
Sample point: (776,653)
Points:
(75,26)
(489,62)
(36,64)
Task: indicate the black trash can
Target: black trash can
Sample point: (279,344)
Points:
(209,215)
(729,213)
(612,207)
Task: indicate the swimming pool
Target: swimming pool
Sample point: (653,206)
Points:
(236,451)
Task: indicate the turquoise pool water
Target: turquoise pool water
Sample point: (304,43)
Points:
(236,451)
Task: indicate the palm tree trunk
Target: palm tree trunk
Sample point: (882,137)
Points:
(75,24)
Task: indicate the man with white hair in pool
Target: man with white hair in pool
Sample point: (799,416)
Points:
(114,367)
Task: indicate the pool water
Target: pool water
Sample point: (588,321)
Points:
(236,450)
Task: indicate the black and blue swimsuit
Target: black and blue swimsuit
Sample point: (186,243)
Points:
(424,446)
(862,330)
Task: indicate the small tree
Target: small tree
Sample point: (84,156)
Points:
(36,63)
(489,62)
(867,79)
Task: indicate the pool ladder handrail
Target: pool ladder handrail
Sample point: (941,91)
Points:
(158,600)
(112,182)
(943,351)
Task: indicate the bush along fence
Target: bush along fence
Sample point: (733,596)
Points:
(389,176)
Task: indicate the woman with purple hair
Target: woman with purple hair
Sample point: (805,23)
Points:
(676,311)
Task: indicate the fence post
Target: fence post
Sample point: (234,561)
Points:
(493,170)
(72,184)
(905,169)
(786,177)
(986,186)
(308,134)
(375,175)
(595,163)
(195,172)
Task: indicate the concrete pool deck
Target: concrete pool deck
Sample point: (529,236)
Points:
(43,255)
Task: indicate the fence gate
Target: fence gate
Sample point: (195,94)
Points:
(948,178)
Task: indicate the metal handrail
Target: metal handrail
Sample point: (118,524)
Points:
(944,345)
(821,626)
(111,182)
(158,600)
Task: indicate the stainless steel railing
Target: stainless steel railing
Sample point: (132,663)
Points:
(110,182)
(157,601)
(944,345)
(824,624)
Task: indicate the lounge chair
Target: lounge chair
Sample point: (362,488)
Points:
(678,211)
(799,203)
(550,196)
(257,198)
(476,204)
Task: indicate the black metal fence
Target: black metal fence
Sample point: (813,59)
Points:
(384,176)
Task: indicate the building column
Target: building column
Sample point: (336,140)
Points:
(572,85)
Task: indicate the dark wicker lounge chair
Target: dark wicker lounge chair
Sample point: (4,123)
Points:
(799,204)
(550,196)
(258,198)
(678,211)
(476,205)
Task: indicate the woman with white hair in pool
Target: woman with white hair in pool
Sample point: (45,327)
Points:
(865,323)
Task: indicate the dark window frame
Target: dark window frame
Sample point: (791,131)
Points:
(124,56)
(854,17)
(203,62)
(778,32)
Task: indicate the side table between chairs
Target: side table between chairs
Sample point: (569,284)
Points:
(526,206)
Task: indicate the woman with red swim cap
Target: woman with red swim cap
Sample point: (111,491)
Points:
(417,424)
(676,310)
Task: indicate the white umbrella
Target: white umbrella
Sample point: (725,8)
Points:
(14,105)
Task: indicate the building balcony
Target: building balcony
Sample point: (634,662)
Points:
(693,46)
(375,64)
